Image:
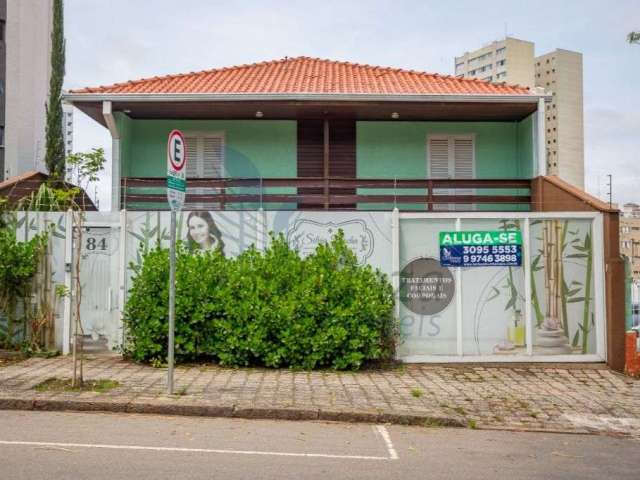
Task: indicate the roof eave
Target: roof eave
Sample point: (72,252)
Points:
(74,97)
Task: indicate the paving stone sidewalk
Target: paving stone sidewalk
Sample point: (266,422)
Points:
(568,398)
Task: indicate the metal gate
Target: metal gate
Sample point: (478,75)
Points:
(99,268)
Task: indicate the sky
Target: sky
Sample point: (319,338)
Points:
(119,40)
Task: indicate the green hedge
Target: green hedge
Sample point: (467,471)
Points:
(268,308)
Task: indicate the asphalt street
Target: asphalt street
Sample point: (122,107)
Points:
(50,445)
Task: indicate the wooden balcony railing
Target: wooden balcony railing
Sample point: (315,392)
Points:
(330,193)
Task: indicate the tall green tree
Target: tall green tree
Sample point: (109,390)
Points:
(634,37)
(54,157)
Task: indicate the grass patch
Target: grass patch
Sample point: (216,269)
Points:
(472,424)
(416,392)
(460,410)
(182,392)
(64,385)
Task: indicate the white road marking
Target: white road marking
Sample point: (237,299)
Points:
(392,456)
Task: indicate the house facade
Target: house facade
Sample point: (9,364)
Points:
(397,159)
(305,118)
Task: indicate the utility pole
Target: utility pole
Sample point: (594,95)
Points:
(610,185)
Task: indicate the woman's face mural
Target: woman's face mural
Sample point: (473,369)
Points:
(202,232)
(199,231)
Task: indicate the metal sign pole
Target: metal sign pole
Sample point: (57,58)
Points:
(176,194)
(172,302)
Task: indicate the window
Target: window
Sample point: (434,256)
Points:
(205,159)
(501,50)
(3,25)
(2,136)
(501,75)
(459,65)
(502,62)
(451,156)
(488,79)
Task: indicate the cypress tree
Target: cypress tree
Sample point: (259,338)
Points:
(54,156)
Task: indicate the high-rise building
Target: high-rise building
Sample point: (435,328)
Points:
(509,60)
(3,73)
(67,128)
(27,70)
(560,74)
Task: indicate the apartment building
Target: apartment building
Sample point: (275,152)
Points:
(509,60)
(560,74)
(27,71)
(3,73)
(630,237)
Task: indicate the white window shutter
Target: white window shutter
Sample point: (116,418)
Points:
(463,167)
(193,159)
(205,159)
(213,157)
(439,157)
(463,158)
(451,156)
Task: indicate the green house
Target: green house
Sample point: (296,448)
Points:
(304,133)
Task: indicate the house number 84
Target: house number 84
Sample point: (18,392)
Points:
(94,244)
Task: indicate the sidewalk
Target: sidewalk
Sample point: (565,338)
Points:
(567,398)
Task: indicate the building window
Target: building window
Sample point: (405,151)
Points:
(1,136)
(501,50)
(2,29)
(459,66)
(502,62)
(501,75)
(488,79)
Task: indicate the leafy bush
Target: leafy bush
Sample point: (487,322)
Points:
(269,308)
(18,265)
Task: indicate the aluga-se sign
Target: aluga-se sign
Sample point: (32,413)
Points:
(481,249)
(176,170)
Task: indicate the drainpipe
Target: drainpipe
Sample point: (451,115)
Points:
(541,138)
(109,119)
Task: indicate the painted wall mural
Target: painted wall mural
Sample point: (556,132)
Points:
(493,299)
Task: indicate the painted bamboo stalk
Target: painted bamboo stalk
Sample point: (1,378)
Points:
(565,316)
(547,266)
(587,294)
(535,301)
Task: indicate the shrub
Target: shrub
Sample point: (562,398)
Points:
(18,265)
(270,308)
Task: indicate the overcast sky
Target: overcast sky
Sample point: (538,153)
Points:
(120,40)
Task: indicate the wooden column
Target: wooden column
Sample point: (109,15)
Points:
(325,163)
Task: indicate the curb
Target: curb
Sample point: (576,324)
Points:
(233,411)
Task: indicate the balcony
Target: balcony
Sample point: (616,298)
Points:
(147,193)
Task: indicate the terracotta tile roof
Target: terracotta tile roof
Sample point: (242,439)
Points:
(309,75)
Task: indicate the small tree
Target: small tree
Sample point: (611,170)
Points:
(88,165)
(54,156)
(55,198)
(633,37)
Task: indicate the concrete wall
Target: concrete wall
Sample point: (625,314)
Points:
(28,40)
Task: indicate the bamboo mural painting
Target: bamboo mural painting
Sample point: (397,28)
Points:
(561,278)
(564,251)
